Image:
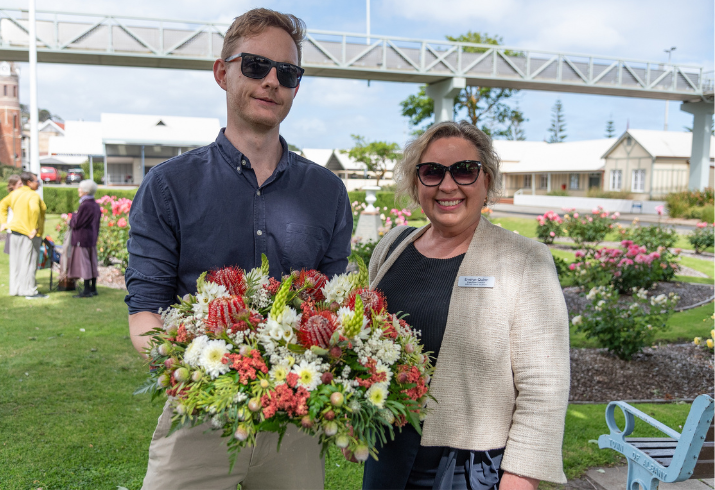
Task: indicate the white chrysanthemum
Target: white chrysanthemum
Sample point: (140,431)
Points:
(171,317)
(308,375)
(279,373)
(337,288)
(240,398)
(212,358)
(377,394)
(194,350)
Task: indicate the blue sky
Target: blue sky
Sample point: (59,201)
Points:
(327,111)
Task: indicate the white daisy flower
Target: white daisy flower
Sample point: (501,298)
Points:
(308,375)
(212,356)
(279,373)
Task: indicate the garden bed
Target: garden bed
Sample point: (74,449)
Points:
(667,372)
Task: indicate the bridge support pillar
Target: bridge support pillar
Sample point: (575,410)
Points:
(700,153)
(443,94)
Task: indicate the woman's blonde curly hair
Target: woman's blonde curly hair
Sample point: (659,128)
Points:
(404,172)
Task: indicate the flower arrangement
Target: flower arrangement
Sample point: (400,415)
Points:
(249,354)
(624,328)
(591,228)
(702,236)
(626,267)
(550,226)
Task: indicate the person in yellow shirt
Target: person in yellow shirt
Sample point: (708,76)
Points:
(27,226)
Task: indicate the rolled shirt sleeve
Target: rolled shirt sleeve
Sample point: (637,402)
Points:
(335,260)
(151,276)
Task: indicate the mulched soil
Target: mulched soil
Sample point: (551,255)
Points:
(666,372)
(690,294)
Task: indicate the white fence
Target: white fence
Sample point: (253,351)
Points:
(588,203)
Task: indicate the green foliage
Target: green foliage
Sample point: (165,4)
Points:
(651,237)
(558,192)
(600,193)
(557,130)
(98,168)
(66,200)
(374,155)
(6,171)
(562,267)
(621,327)
(484,107)
(679,204)
(610,129)
(703,213)
(364,251)
(702,237)
(384,200)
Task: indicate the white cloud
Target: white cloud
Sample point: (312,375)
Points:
(451,12)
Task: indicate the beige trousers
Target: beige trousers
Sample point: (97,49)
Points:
(197,459)
(23,265)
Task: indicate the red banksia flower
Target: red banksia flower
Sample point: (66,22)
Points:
(373,301)
(223,312)
(313,281)
(232,278)
(316,328)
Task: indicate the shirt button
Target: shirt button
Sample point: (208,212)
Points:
(259,233)
(258,192)
(243,162)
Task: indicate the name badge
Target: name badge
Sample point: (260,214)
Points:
(476,282)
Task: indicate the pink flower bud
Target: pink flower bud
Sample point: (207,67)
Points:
(241,433)
(361,453)
(409,348)
(327,378)
(306,422)
(337,399)
(181,375)
(254,404)
(329,415)
(330,429)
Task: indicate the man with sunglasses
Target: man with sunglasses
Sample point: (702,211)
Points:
(226,204)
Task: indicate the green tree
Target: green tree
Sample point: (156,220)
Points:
(98,170)
(374,155)
(43,115)
(610,128)
(557,130)
(484,107)
(514,129)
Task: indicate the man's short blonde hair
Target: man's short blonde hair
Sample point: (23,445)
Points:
(258,20)
(406,177)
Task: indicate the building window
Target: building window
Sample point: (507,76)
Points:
(616,179)
(527,181)
(638,182)
(4,89)
(573,181)
(543,181)
(14,121)
(14,91)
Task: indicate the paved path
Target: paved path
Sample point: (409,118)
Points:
(615,479)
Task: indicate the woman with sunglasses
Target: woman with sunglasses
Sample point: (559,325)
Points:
(490,308)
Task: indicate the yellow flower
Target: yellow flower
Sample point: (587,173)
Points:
(697,341)
(709,342)
(712,333)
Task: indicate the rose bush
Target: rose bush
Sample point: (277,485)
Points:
(593,228)
(621,327)
(702,237)
(550,226)
(651,237)
(114,231)
(626,267)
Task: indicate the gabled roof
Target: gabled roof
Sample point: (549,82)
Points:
(668,144)
(133,129)
(318,155)
(52,125)
(350,164)
(532,156)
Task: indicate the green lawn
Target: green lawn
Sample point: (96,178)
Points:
(68,419)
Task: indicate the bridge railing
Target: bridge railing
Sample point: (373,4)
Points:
(340,54)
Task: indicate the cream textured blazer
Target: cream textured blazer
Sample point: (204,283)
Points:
(502,378)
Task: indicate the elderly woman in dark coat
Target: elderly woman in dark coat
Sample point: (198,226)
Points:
(85,230)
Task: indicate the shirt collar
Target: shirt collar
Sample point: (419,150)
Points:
(235,156)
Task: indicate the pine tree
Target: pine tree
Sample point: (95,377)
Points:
(558,123)
(610,128)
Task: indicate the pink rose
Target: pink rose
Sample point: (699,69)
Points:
(121,222)
(659,210)
(552,234)
(575,215)
(572,267)
(702,224)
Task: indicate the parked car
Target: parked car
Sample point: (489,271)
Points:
(74,176)
(50,174)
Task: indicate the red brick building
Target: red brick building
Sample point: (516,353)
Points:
(10,117)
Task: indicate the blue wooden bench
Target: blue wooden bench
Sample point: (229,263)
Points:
(671,459)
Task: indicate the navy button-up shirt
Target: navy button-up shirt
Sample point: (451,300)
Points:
(204,210)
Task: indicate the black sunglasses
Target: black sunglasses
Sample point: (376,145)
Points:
(463,173)
(258,67)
